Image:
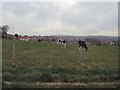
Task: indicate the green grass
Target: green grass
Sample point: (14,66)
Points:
(48,62)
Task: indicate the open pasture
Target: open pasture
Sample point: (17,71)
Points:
(38,62)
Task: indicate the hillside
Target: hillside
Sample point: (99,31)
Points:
(83,37)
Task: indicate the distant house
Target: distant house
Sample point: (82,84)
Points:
(9,36)
(24,38)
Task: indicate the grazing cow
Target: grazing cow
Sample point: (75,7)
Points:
(112,44)
(62,42)
(59,41)
(82,44)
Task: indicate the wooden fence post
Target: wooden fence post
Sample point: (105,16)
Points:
(13,54)
(81,56)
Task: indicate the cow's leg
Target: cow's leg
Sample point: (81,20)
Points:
(81,55)
(86,47)
(80,48)
(64,45)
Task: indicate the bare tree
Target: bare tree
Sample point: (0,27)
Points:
(4,29)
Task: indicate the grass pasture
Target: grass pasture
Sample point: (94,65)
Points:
(38,63)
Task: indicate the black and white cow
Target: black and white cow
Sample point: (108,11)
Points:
(83,45)
(62,42)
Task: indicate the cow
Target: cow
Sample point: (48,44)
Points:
(59,41)
(112,44)
(62,42)
(83,45)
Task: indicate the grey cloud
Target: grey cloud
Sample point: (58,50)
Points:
(19,9)
(86,18)
(97,14)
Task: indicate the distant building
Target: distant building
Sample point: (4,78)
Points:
(24,38)
(9,36)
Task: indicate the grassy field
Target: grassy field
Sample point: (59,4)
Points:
(38,63)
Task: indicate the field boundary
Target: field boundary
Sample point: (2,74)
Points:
(63,84)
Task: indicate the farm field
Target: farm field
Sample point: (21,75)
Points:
(37,64)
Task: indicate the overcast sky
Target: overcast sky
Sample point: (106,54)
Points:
(61,18)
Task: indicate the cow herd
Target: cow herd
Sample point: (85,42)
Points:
(81,44)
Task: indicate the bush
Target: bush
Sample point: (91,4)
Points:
(46,77)
(38,40)
(56,77)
